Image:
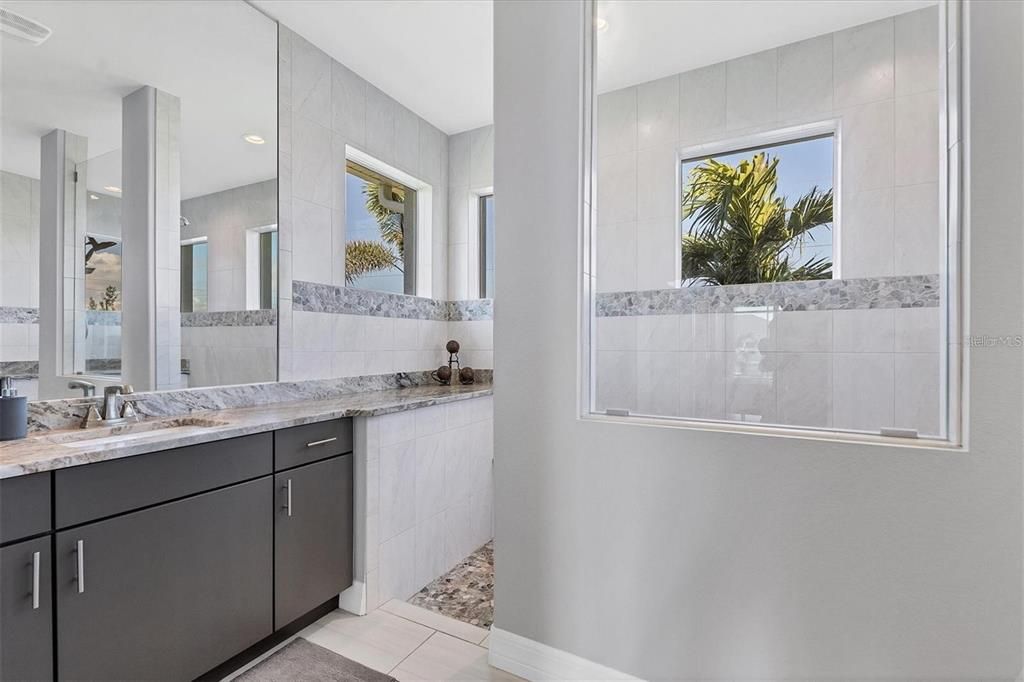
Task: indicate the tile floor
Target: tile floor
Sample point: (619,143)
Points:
(407,642)
(466,592)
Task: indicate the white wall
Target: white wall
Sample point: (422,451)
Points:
(470,176)
(225,219)
(678,553)
(19,267)
(325,106)
(429,500)
(880,81)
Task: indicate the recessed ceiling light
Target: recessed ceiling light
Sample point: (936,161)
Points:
(601,24)
(93,197)
(253,138)
(111,188)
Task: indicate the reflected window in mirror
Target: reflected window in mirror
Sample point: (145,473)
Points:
(195,276)
(487,246)
(380,226)
(103,273)
(261,268)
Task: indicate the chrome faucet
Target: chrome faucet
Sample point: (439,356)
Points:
(88,388)
(111,413)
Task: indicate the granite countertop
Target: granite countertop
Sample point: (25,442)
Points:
(45,452)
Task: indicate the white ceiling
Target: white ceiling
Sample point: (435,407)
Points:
(433,56)
(219,58)
(650,39)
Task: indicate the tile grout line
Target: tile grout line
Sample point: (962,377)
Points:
(399,664)
(438,613)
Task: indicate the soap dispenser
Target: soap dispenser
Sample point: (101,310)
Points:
(13,411)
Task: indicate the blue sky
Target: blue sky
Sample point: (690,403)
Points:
(802,165)
(360,225)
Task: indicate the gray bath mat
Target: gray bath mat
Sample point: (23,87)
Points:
(302,660)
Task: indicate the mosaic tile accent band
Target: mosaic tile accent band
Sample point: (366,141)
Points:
(471,310)
(230,318)
(67,413)
(10,314)
(20,369)
(909,291)
(103,318)
(340,300)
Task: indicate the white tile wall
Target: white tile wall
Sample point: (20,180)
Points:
(324,107)
(429,502)
(844,369)
(19,264)
(881,82)
(229,355)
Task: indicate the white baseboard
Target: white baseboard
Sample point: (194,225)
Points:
(353,599)
(535,661)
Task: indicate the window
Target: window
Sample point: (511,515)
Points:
(740,272)
(261,268)
(487,246)
(194,289)
(102,273)
(380,225)
(779,225)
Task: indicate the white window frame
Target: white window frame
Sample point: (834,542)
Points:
(424,214)
(252,263)
(954,278)
(755,142)
(475,242)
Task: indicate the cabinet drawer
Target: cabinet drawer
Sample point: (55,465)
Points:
(311,443)
(24,506)
(98,490)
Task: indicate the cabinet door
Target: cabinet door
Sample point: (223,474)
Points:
(168,592)
(26,608)
(313,536)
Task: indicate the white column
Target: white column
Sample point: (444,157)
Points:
(61,262)
(151,196)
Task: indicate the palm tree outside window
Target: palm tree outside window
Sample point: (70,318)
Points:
(380,216)
(758,215)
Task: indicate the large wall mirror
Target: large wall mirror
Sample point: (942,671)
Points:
(138,217)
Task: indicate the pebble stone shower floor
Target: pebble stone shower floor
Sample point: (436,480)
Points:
(466,592)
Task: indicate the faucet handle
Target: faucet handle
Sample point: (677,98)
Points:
(127,389)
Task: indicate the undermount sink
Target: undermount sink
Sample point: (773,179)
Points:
(130,431)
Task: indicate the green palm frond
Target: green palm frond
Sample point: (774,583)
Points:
(389,222)
(743,232)
(364,256)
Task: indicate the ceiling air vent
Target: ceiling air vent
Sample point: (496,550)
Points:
(22,27)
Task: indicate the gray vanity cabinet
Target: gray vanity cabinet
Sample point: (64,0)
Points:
(167,592)
(313,536)
(26,602)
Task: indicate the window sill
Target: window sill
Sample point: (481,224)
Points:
(848,437)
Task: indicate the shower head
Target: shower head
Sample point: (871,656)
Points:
(185,222)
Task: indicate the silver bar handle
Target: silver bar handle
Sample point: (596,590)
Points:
(288,497)
(325,441)
(80,564)
(35,580)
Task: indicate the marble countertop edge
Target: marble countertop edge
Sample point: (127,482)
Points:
(38,453)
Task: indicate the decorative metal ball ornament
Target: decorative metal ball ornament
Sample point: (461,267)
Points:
(452,346)
(466,375)
(442,375)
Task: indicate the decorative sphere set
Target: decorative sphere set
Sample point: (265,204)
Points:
(443,374)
